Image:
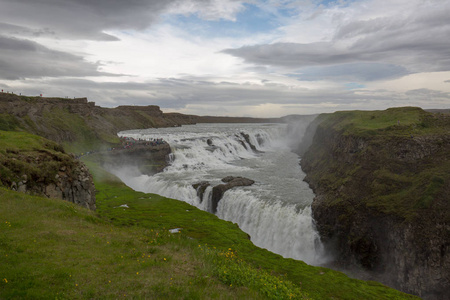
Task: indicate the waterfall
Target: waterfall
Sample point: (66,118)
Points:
(275,211)
(283,229)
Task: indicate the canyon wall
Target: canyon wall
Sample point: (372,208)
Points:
(382,185)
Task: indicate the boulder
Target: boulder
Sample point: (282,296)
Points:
(230,182)
(200,187)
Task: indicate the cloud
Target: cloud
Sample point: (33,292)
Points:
(211,10)
(265,98)
(408,41)
(81,19)
(427,94)
(15,30)
(21,59)
(351,72)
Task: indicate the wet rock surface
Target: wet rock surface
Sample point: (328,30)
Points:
(201,187)
(218,190)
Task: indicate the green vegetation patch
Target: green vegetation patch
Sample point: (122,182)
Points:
(406,195)
(8,122)
(83,137)
(30,158)
(403,121)
(23,141)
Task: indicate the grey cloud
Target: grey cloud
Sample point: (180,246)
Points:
(412,43)
(82,18)
(425,17)
(26,59)
(292,54)
(427,93)
(351,72)
(14,30)
(176,93)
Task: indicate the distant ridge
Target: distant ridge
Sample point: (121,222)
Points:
(80,121)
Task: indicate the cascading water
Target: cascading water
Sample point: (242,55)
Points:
(275,211)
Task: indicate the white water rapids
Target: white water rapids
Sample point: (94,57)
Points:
(275,211)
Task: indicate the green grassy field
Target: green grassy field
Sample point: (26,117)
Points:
(14,141)
(399,121)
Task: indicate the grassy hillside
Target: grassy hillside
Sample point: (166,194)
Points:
(76,123)
(30,158)
(72,254)
(391,118)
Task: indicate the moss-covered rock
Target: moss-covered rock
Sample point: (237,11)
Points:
(34,165)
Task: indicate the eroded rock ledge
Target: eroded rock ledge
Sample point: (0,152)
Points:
(50,173)
(219,190)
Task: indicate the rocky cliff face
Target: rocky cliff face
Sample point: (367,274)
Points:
(74,185)
(383,195)
(38,166)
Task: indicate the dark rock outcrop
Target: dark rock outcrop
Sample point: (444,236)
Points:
(201,188)
(230,182)
(219,190)
(78,188)
(247,139)
(48,172)
(382,198)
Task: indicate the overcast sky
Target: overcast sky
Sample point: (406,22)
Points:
(261,58)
